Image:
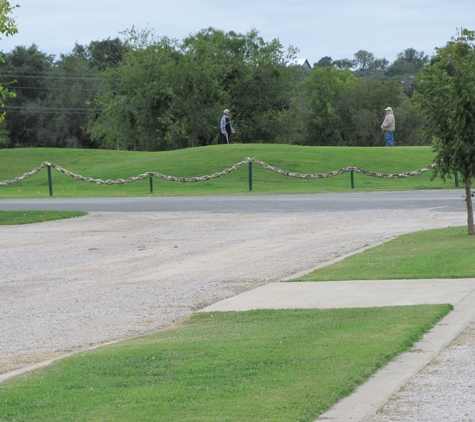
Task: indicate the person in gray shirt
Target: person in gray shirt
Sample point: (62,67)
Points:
(225,128)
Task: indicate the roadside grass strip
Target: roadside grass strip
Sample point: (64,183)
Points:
(436,253)
(262,365)
(28,217)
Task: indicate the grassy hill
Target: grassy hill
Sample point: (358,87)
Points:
(208,160)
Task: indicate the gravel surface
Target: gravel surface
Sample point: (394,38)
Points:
(444,390)
(73,284)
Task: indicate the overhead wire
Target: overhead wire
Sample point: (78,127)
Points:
(76,113)
(50,77)
(13,87)
(48,110)
(47,74)
(42,72)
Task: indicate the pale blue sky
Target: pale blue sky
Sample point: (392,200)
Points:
(318,28)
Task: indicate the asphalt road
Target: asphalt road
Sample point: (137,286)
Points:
(440,200)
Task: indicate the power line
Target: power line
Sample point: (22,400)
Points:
(43,72)
(48,110)
(14,75)
(77,113)
(13,87)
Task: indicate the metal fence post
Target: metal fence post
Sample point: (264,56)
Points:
(151,183)
(352,177)
(250,176)
(50,181)
(456,179)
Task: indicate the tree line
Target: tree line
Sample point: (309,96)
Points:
(149,93)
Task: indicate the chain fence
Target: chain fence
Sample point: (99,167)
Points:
(217,174)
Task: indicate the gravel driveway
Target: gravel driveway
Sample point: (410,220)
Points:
(72,284)
(444,390)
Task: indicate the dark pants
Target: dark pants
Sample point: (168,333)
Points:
(224,139)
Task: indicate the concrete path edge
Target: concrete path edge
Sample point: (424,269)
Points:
(369,397)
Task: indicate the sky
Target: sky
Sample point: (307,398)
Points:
(317,28)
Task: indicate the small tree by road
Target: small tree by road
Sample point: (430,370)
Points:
(445,95)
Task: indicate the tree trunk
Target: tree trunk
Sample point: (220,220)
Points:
(468,200)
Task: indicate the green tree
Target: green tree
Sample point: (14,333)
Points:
(101,54)
(336,108)
(343,64)
(362,109)
(71,85)
(379,64)
(319,109)
(167,95)
(29,66)
(8,27)
(324,62)
(52,96)
(363,60)
(409,62)
(135,94)
(262,92)
(410,122)
(445,95)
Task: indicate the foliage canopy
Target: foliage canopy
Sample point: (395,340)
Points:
(167,94)
(149,93)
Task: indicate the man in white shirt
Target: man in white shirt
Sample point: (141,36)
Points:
(389,126)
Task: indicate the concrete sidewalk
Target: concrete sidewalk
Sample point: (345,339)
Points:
(375,392)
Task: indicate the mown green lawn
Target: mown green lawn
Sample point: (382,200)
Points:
(265,365)
(438,253)
(194,162)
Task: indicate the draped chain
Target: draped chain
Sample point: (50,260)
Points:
(217,174)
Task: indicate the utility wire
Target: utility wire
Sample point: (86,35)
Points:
(49,77)
(13,87)
(76,113)
(48,110)
(28,72)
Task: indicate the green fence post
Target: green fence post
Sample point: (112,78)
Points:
(456,179)
(151,183)
(352,177)
(50,181)
(250,176)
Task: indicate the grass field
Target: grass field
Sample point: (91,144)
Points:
(438,253)
(28,217)
(207,160)
(266,365)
